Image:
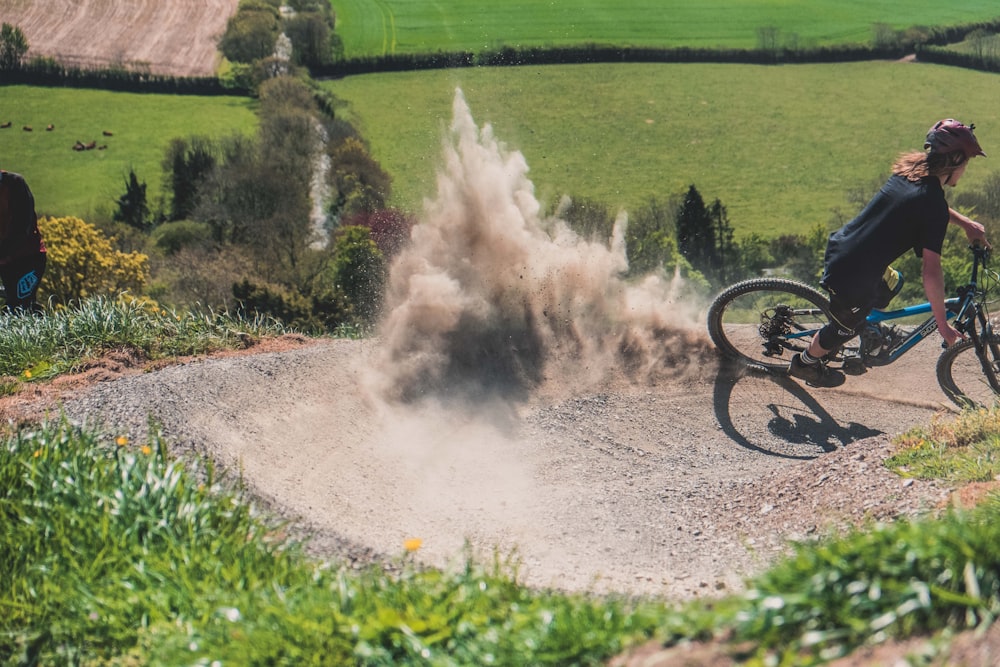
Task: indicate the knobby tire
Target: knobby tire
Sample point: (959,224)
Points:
(734,320)
(964,379)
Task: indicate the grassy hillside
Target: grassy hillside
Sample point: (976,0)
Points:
(780,146)
(400,26)
(68,182)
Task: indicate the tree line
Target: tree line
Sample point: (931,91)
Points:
(510,56)
(773,47)
(683,235)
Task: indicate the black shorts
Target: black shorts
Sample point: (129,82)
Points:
(847,315)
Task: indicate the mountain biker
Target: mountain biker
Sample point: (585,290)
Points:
(909,212)
(22,250)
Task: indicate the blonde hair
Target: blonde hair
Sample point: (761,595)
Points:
(916,165)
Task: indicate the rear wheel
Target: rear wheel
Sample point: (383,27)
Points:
(963,378)
(764,321)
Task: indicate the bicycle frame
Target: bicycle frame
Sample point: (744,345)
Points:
(956,307)
(907,343)
(926,328)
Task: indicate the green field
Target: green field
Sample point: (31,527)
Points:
(67,182)
(779,146)
(382,27)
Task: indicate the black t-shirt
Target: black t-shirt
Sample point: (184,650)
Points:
(903,215)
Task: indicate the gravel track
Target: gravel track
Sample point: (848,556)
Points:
(680,488)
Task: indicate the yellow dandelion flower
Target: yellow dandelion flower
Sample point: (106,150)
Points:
(121,441)
(37,453)
(147,450)
(413,544)
(27,374)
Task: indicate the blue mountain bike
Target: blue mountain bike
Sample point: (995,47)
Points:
(762,322)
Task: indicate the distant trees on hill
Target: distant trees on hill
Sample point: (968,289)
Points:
(13,46)
(684,235)
(237,223)
(252,36)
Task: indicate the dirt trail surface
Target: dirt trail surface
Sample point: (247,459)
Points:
(678,488)
(173,37)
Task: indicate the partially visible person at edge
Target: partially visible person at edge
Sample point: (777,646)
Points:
(22,250)
(909,212)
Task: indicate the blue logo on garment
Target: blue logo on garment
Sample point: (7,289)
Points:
(26,284)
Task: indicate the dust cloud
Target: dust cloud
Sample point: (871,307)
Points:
(496,311)
(494,298)
(493,311)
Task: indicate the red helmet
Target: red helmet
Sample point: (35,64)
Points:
(950,136)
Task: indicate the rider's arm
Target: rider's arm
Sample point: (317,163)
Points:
(933,277)
(973,230)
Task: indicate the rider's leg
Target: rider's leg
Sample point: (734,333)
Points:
(845,320)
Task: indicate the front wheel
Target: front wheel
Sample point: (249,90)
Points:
(963,377)
(764,321)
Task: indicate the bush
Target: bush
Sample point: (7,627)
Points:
(291,308)
(388,228)
(359,271)
(198,275)
(171,237)
(82,262)
(251,33)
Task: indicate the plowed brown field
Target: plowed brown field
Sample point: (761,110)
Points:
(176,37)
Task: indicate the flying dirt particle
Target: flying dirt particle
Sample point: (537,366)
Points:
(491,295)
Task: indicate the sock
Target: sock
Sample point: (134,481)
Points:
(807,359)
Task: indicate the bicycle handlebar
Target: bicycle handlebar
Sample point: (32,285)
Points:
(982,252)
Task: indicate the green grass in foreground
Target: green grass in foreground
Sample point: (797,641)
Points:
(398,26)
(962,451)
(779,146)
(115,553)
(68,182)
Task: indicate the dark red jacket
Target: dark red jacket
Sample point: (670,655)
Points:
(19,235)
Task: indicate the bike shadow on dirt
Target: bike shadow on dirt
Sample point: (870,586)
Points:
(774,415)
